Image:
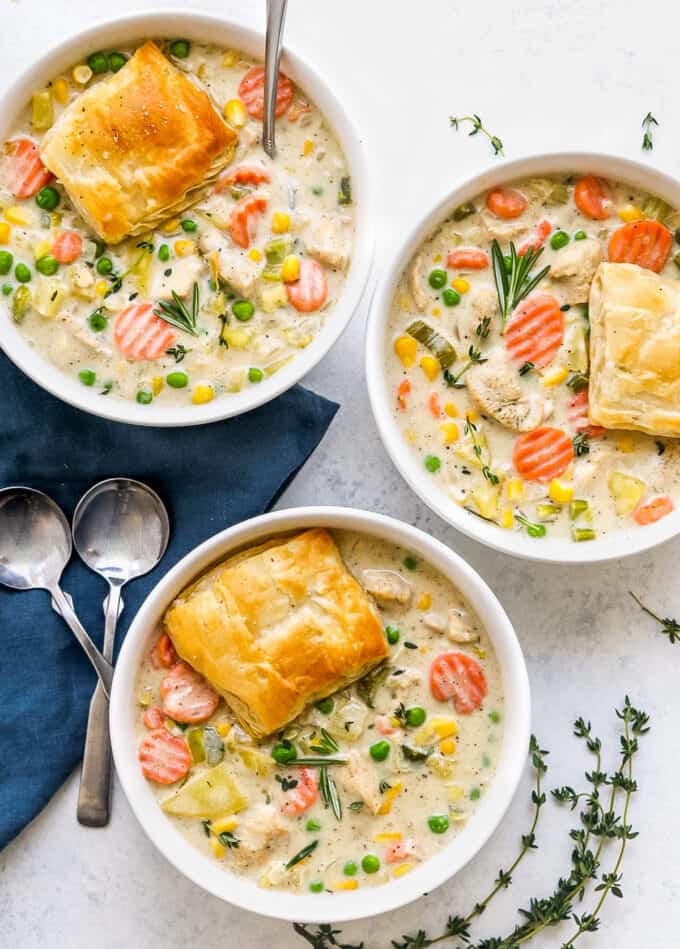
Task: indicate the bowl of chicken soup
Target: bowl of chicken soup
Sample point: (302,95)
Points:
(320,714)
(158,268)
(522,357)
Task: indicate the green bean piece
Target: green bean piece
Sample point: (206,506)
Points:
(196,745)
(463,211)
(438,345)
(582,533)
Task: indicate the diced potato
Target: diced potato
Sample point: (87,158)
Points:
(272,298)
(486,498)
(626,490)
(256,761)
(42,115)
(576,348)
(214,793)
(49,296)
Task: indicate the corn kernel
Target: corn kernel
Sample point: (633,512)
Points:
(436,311)
(424,601)
(280,222)
(223,729)
(307,147)
(411,436)
(255,255)
(559,492)
(290,268)
(100,287)
(394,722)
(626,444)
(472,415)
(514,489)
(451,410)
(235,113)
(346,885)
(430,367)
(448,746)
(555,377)
(450,432)
(60,90)
(402,869)
(386,838)
(630,212)
(216,847)
(170,226)
(389,796)
(223,825)
(17,215)
(444,727)
(82,74)
(437,259)
(455,792)
(184,248)
(202,394)
(229,59)
(507,519)
(406,348)
(41,248)
(460,284)
(479,652)
(4,232)
(156,384)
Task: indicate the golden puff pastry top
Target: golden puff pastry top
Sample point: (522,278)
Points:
(635,350)
(277,627)
(138,146)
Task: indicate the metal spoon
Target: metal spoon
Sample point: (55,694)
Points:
(276,14)
(35,546)
(121,531)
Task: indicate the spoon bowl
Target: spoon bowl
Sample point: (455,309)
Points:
(35,540)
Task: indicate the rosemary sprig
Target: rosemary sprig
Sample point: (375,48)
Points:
(316,761)
(647,124)
(329,792)
(478,126)
(302,854)
(177,314)
(513,277)
(475,358)
(669,626)
(326,745)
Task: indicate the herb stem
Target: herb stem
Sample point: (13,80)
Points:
(478,126)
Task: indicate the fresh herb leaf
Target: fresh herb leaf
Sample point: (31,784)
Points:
(206,827)
(475,358)
(416,754)
(176,313)
(483,327)
(326,745)
(302,854)
(669,626)
(515,280)
(178,351)
(477,126)
(647,124)
(369,684)
(229,840)
(384,786)
(581,444)
(526,368)
(660,447)
(329,792)
(533,530)
(471,429)
(400,714)
(356,806)
(287,784)
(577,381)
(410,645)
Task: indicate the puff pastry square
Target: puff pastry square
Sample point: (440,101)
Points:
(277,627)
(635,350)
(137,147)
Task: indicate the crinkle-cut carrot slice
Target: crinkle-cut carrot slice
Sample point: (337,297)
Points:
(467,258)
(251,92)
(27,174)
(535,330)
(243,218)
(506,203)
(244,175)
(645,243)
(164,758)
(453,675)
(543,229)
(310,290)
(543,454)
(140,334)
(153,718)
(403,390)
(400,850)
(67,247)
(305,792)
(163,654)
(577,414)
(592,198)
(654,510)
(187,697)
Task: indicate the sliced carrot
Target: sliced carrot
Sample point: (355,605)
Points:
(165,758)
(27,174)
(535,330)
(543,454)
(577,413)
(243,218)
(400,850)
(153,718)
(542,231)
(251,92)
(654,510)
(645,243)
(187,697)
(309,291)
(305,792)
(506,203)
(467,258)
(453,675)
(140,334)
(67,247)
(434,405)
(403,390)
(163,654)
(244,175)
(298,108)
(591,198)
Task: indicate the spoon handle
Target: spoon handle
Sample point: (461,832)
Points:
(94,794)
(102,667)
(276,14)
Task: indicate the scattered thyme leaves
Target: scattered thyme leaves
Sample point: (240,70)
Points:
(477,126)
(648,124)
(669,626)
(475,358)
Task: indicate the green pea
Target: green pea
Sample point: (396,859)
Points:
(559,239)
(243,310)
(188,225)
(581,235)
(451,297)
(317,190)
(475,794)
(432,463)
(495,717)
(437,279)
(313,825)
(47,198)
(6,261)
(164,253)
(392,634)
(97,321)
(350,869)
(370,863)
(415,716)
(180,48)
(104,266)
(410,562)
(22,273)
(7,289)
(326,705)
(98,63)
(438,823)
(144,397)
(47,265)
(380,750)
(316,886)
(178,380)
(116,61)
(255,375)
(486,761)
(284,752)
(87,377)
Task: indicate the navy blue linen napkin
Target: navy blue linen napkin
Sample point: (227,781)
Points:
(209,476)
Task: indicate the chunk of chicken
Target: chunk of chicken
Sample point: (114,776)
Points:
(453,625)
(329,240)
(258,834)
(574,268)
(481,304)
(500,229)
(185,272)
(358,777)
(498,393)
(388,587)
(415,279)
(402,680)
(234,265)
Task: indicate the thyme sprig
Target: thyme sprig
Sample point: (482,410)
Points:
(475,358)
(176,313)
(669,626)
(513,277)
(477,126)
(470,429)
(647,124)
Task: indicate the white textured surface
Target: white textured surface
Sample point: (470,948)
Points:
(544,75)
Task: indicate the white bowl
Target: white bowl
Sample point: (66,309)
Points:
(322,907)
(209,29)
(619,543)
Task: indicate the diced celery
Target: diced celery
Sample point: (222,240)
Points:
(21,302)
(582,533)
(548,512)
(42,112)
(213,745)
(196,744)
(579,508)
(277,250)
(655,208)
